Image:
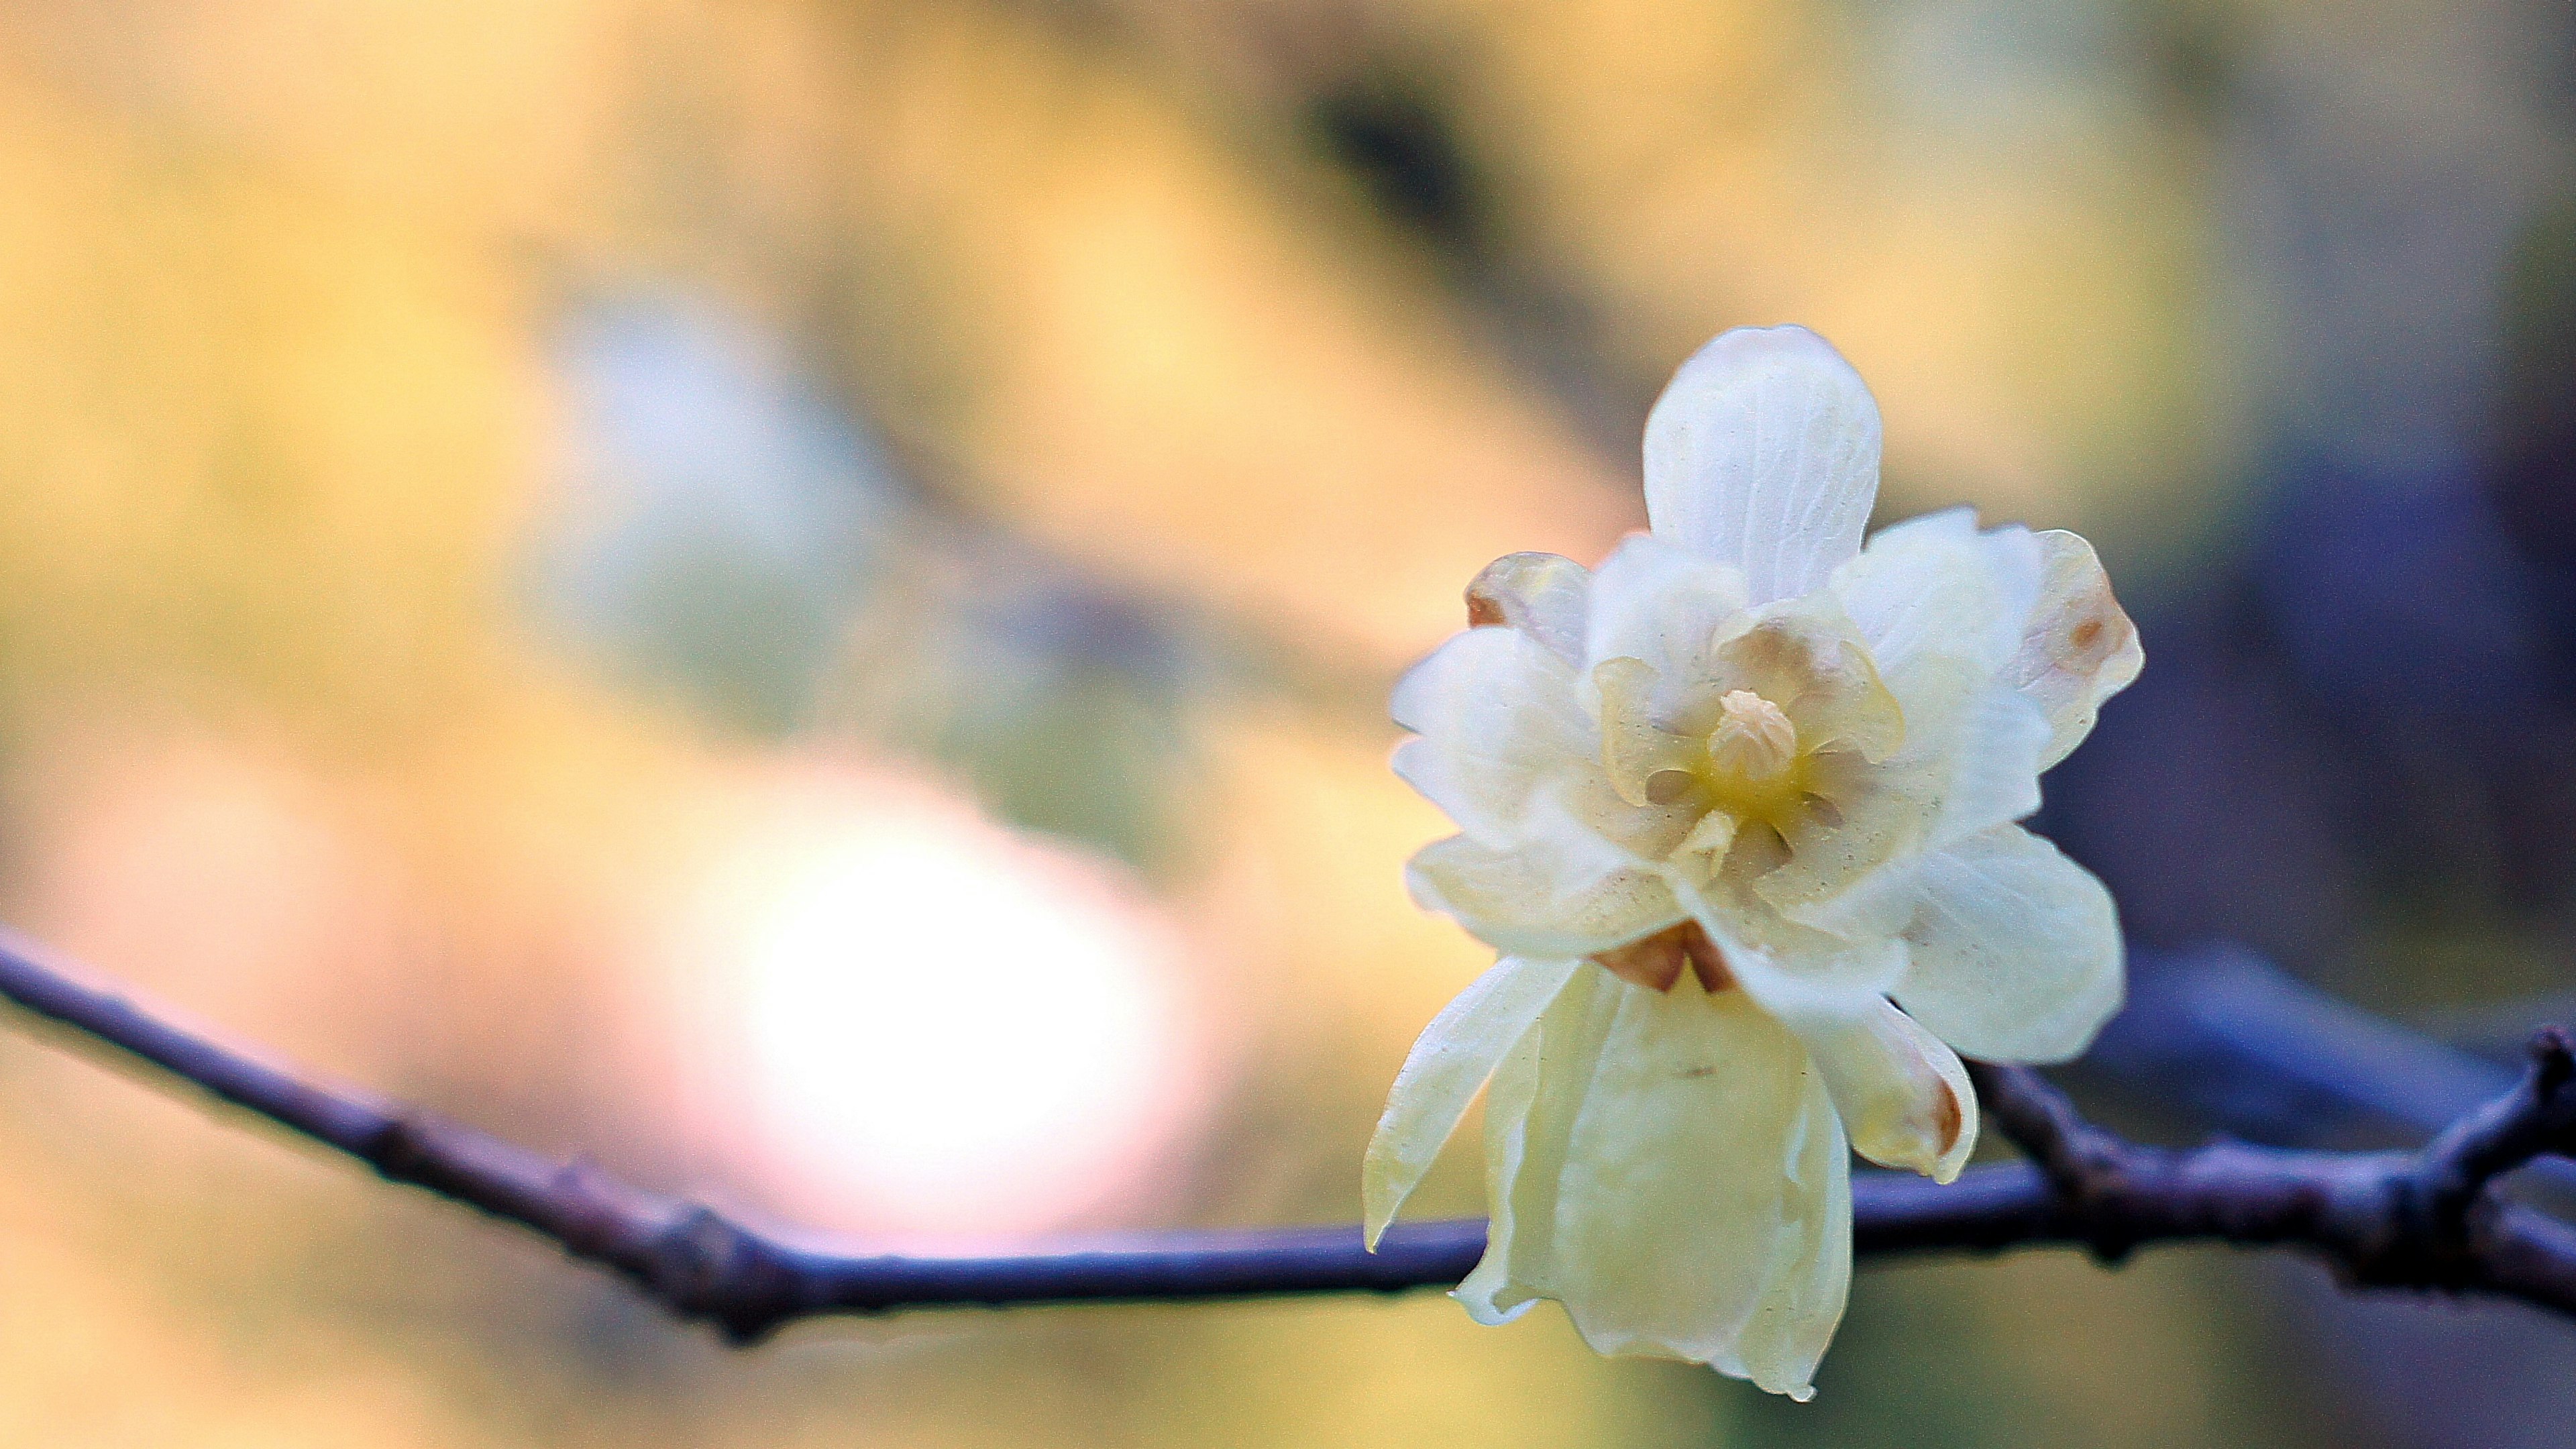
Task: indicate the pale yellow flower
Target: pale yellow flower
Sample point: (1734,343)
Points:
(1737,808)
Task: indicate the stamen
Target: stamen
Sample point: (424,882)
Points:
(1754,740)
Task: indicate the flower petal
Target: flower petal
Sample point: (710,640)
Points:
(1654,600)
(1807,980)
(2078,647)
(1935,588)
(1498,717)
(1448,1065)
(1904,1096)
(1540,594)
(1763,453)
(1678,1180)
(1564,891)
(2015,950)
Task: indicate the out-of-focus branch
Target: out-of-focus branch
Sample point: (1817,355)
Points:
(2428,1219)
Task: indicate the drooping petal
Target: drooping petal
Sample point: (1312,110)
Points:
(1656,601)
(2015,951)
(1537,1094)
(1540,594)
(1678,1180)
(1904,1096)
(1763,453)
(2078,647)
(1562,891)
(1498,718)
(1448,1065)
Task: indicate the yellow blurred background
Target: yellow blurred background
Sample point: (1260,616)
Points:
(797,594)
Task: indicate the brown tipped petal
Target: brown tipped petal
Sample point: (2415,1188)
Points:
(1539,594)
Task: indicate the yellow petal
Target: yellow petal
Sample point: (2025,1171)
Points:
(1904,1096)
(1448,1065)
(1677,1178)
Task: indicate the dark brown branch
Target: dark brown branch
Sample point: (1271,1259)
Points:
(2431,1219)
(2427,1220)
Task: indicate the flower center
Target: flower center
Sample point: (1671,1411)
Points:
(1754,743)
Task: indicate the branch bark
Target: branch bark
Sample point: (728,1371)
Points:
(2430,1219)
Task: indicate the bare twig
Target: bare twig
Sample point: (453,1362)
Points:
(2427,1220)
(2430,1219)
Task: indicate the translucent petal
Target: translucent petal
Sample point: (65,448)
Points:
(1806,979)
(1634,748)
(1678,1180)
(2015,951)
(1935,588)
(1448,1065)
(1807,657)
(1539,594)
(1498,717)
(1529,1120)
(2078,647)
(1559,892)
(1763,453)
(1993,761)
(1656,601)
(1904,1096)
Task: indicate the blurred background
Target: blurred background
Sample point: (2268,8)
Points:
(798,594)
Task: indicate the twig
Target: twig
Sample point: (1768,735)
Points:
(2428,1219)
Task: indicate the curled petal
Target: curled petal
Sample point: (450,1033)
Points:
(2078,647)
(1539,594)
(1447,1067)
(1499,719)
(1674,1174)
(1808,659)
(1904,1096)
(2015,951)
(1561,892)
(1763,453)
(1634,748)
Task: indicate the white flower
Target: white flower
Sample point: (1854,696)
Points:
(1737,808)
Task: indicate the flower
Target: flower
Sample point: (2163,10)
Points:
(1737,808)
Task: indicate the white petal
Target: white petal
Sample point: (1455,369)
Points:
(1654,600)
(1557,892)
(2078,646)
(1678,1180)
(1540,594)
(2015,950)
(1448,1065)
(1992,760)
(1802,977)
(1763,453)
(1904,1097)
(1936,589)
(1498,717)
